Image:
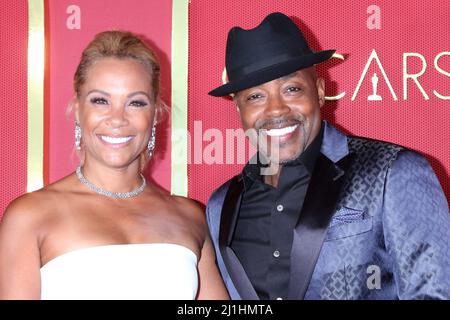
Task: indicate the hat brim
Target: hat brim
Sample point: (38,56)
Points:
(271,73)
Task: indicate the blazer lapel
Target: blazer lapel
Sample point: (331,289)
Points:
(230,211)
(318,208)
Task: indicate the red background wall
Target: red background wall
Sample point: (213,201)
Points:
(13,100)
(407,26)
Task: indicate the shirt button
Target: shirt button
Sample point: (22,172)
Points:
(280,207)
(276,253)
(279,298)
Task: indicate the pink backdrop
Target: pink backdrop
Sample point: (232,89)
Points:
(405,27)
(13,100)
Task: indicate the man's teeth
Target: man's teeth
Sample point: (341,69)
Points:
(116,140)
(281,131)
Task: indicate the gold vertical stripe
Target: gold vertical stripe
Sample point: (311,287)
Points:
(35,141)
(179,139)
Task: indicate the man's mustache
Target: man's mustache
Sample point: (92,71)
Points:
(279,122)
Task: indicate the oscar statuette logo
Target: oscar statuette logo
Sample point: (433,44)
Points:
(409,79)
(374,96)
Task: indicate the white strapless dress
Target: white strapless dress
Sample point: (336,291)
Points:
(122,271)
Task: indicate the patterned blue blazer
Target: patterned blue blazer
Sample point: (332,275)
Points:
(375,224)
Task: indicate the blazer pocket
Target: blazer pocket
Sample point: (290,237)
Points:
(348,222)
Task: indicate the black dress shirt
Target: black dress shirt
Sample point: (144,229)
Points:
(263,235)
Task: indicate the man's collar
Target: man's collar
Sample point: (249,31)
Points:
(309,156)
(334,143)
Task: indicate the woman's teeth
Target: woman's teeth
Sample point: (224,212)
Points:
(116,140)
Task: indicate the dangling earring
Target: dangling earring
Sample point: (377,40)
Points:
(77,136)
(151,142)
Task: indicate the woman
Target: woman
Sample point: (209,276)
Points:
(103,232)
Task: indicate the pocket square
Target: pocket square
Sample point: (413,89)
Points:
(348,222)
(346,215)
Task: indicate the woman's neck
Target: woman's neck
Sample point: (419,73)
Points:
(123,179)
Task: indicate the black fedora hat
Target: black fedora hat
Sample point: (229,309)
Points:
(271,50)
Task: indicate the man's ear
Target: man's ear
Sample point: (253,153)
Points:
(320,84)
(236,104)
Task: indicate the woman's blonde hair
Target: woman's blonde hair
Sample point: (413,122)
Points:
(121,45)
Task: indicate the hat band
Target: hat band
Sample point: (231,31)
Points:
(260,64)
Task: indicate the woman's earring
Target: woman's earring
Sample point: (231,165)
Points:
(151,142)
(77,136)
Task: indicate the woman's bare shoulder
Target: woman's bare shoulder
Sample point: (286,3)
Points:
(29,208)
(34,207)
(177,203)
(187,203)
(22,215)
(189,207)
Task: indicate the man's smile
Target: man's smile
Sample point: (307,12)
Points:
(278,132)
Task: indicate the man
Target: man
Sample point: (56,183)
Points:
(340,217)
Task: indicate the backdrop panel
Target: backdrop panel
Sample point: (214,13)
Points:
(13,100)
(406,44)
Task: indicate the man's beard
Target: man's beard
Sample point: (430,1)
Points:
(264,148)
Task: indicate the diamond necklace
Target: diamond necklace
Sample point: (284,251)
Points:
(114,195)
